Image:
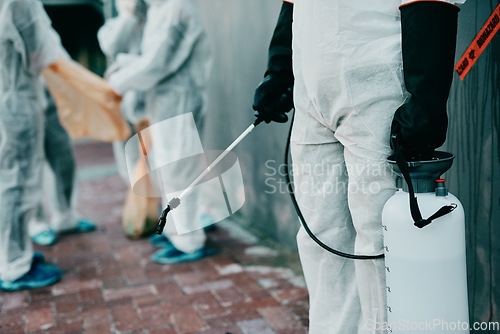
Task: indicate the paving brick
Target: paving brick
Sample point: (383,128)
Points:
(169,289)
(222,330)
(163,330)
(290,294)
(88,318)
(279,318)
(70,286)
(39,320)
(257,304)
(13,329)
(209,286)
(255,326)
(15,300)
(109,272)
(71,328)
(221,260)
(132,291)
(186,300)
(161,321)
(125,318)
(114,282)
(66,304)
(163,311)
(187,321)
(229,297)
(158,273)
(88,272)
(41,295)
(148,300)
(292,331)
(208,307)
(11,320)
(206,270)
(92,317)
(232,318)
(127,255)
(91,297)
(190,278)
(101,328)
(135,275)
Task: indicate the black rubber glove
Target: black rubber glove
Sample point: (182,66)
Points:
(274,96)
(429,30)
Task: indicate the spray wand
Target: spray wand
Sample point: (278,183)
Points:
(176,201)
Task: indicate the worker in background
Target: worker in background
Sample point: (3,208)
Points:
(59,184)
(123,35)
(363,72)
(28,44)
(172,70)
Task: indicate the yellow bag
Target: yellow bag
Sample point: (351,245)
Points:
(86,104)
(140,214)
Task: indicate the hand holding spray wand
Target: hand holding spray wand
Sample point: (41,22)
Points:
(176,201)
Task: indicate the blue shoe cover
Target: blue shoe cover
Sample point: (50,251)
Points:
(45,238)
(38,258)
(173,255)
(40,275)
(83,226)
(160,240)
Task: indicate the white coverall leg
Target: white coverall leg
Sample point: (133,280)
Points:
(348,84)
(27,45)
(173,70)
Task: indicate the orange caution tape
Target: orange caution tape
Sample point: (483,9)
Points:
(479,44)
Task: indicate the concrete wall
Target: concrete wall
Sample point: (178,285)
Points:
(240,32)
(474,109)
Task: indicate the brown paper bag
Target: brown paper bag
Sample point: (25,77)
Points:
(86,104)
(140,214)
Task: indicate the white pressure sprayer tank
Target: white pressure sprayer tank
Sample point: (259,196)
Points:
(425,266)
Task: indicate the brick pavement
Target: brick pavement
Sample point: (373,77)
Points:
(110,285)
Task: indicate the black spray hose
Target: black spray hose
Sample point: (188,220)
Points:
(301,217)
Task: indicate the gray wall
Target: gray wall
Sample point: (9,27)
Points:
(240,32)
(474,109)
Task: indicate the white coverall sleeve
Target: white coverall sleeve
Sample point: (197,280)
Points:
(41,42)
(115,35)
(454,2)
(163,55)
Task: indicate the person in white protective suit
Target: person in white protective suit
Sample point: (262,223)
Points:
(364,71)
(28,44)
(172,69)
(59,178)
(123,35)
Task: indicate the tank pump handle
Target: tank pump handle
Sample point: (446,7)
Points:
(414,209)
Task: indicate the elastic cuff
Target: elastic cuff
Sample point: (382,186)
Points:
(417,1)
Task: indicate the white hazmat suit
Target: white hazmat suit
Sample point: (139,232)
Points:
(347,63)
(27,45)
(172,70)
(123,35)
